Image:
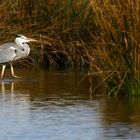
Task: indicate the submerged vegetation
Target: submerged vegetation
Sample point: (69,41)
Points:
(100,34)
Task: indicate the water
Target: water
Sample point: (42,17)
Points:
(58,105)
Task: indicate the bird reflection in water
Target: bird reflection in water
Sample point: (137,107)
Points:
(17,98)
(4,91)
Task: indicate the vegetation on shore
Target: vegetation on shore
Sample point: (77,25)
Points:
(102,35)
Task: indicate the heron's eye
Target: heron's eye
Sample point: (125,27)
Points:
(15,51)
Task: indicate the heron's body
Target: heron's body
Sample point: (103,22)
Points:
(10,52)
(7,54)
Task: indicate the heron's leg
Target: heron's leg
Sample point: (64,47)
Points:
(3,69)
(12,71)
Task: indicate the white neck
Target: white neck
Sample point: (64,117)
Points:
(23,49)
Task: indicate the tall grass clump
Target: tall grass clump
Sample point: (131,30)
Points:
(119,50)
(101,35)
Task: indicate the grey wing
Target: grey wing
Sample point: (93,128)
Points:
(7,52)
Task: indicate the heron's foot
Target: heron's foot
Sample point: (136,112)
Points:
(15,76)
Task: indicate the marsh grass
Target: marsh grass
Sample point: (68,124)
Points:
(101,35)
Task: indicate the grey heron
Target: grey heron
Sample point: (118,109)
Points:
(10,52)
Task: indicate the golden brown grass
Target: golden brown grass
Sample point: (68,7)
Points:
(103,35)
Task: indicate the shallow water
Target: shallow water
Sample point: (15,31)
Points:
(58,105)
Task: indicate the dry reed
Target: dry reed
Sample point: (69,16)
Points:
(103,35)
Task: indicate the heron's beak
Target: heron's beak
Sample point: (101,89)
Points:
(32,40)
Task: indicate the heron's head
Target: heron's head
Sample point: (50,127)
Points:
(21,39)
